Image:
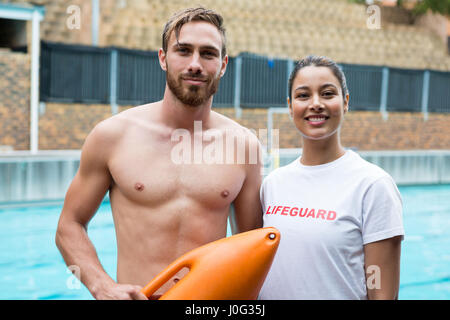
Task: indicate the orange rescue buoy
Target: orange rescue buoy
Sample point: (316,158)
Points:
(232,268)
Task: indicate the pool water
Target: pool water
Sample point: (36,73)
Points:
(425,262)
(31,267)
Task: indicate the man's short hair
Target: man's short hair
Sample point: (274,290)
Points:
(193,14)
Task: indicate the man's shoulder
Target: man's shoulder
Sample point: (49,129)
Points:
(227,124)
(135,114)
(243,136)
(107,129)
(118,123)
(110,130)
(222,121)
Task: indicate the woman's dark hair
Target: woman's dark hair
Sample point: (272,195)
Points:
(317,61)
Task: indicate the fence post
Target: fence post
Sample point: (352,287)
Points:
(290,67)
(34,83)
(237,87)
(113,82)
(384,93)
(95,21)
(425,93)
(270,112)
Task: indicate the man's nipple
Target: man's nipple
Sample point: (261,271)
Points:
(225,193)
(139,186)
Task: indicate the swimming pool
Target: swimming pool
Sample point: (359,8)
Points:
(32,268)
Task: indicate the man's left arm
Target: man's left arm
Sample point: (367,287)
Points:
(247,213)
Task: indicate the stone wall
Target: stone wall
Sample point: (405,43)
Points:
(335,28)
(14,100)
(65,126)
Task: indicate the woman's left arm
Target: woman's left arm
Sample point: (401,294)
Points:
(382,267)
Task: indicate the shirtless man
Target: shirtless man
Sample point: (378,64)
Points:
(161,208)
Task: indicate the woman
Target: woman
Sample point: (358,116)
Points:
(340,217)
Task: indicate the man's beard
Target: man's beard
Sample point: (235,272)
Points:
(192,95)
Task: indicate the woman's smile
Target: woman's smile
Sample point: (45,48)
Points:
(316,120)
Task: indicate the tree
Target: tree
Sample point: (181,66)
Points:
(436,6)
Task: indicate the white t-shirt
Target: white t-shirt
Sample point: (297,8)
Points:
(326,214)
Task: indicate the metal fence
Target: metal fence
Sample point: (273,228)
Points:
(263,81)
(139,77)
(74,73)
(406,90)
(439,92)
(84,74)
(364,85)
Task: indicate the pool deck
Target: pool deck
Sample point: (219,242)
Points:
(43,155)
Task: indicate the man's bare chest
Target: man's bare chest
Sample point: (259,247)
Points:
(150,177)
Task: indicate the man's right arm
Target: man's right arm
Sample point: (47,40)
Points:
(82,200)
